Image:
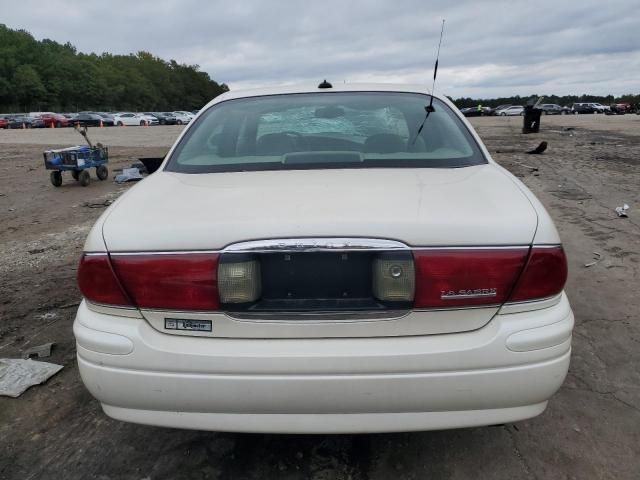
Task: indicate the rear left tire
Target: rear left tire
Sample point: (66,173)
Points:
(56,178)
(84,178)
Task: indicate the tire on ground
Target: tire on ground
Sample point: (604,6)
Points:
(56,178)
(84,178)
(102,172)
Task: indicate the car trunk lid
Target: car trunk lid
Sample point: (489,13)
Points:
(310,291)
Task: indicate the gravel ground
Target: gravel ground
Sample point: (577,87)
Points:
(591,428)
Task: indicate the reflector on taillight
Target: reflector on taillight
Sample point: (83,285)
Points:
(455,278)
(239,279)
(544,276)
(98,282)
(170,281)
(394,277)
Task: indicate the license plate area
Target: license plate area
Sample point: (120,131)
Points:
(316,282)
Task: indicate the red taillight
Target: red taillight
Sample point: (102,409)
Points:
(544,275)
(444,278)
(98,282)
(466,277)
(172,282)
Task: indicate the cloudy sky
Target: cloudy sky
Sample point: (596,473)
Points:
(490,48)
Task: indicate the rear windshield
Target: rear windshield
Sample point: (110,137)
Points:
(325,130)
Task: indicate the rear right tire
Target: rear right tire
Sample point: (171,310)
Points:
(102,172)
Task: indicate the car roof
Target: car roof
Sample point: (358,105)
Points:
(313,88)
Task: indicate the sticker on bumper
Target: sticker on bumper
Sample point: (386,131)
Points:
(191,325)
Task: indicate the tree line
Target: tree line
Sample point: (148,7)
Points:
(48,76)
(566,100)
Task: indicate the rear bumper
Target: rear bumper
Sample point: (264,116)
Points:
(503,372)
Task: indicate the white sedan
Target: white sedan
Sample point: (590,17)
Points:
(514,110)
(128,119)
(325,260)
(183,117)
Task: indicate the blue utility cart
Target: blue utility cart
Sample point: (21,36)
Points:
(77,160)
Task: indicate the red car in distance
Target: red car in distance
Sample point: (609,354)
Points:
(51,119)
(4,123)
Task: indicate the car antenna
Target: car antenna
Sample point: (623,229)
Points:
(429,108)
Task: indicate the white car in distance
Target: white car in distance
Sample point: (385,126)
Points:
(183,118)
(130,119)
(513,110)
(325,260)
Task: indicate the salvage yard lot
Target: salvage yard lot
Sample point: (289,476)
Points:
(591,428)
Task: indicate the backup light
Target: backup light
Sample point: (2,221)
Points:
(239,281)
(394,278)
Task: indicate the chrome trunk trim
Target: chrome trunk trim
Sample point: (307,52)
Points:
(318,316)
(311,244)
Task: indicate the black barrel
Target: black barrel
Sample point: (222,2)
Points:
(531,119)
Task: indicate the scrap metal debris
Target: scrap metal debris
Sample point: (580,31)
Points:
(17,375)
(102,204)
(539,149)
(533,169)
(597,257)
(141,168)
(40,351)
(128,175)
(68,305)
(622,211)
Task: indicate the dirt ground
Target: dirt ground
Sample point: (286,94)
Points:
(591,429)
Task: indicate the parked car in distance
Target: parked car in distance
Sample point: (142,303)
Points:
(51,119)
(182,118)
(149,119)
(325,260)
(551,109)
(164,118)
(107,119)
(188,114)
(600,108)
(583,108)
(39,122)
(513,110)
(4,123)
(619,109)
(495,111)
(127,119)
(23,121)
(471,112)
(88,119)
